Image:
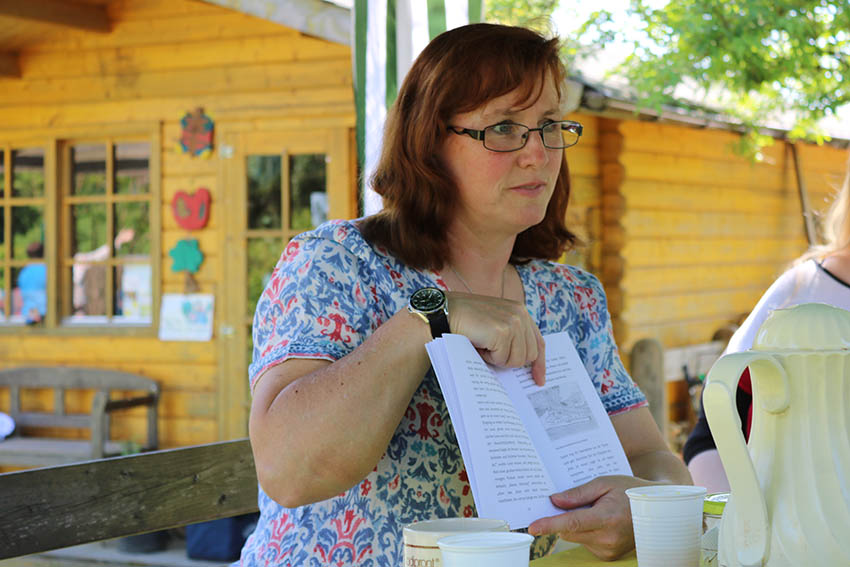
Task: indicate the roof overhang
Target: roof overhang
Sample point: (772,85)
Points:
(319,18)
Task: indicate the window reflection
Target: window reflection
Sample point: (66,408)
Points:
(132,166)
(264,187)
(28,172)
(308,198)
(88,169)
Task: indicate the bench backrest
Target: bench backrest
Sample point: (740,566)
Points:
(61,506)
(60,379)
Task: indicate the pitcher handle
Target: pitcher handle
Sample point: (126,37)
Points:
(752,539)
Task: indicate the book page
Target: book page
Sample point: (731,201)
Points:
(521,442)
(572,431)
(508,478)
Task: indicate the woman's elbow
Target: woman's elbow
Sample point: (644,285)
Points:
(285,489)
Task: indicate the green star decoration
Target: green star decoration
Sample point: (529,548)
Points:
(186,256)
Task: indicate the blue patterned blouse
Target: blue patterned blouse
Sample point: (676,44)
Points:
(330,290)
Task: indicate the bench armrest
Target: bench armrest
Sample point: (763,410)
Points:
(102,406)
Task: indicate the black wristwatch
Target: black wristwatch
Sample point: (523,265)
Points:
(431,305)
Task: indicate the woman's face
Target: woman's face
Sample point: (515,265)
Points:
(504,191)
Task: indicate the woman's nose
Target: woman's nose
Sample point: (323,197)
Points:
(534,152)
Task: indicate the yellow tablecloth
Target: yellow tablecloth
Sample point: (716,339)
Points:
(581,557)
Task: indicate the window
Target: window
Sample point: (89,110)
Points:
(23,277)
(106,245)
(78,232)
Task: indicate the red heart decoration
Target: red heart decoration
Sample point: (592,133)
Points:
(191,211)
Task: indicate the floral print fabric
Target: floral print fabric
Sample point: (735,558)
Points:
(330,290)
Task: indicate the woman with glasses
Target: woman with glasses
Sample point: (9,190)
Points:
(349,428)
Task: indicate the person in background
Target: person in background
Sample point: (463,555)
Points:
(32,283)
(821,275)
(348,425)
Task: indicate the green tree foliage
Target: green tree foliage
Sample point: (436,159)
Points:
(528,13)
(755,59)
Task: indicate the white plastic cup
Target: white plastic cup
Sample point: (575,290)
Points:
(667,521)
(420,538)
(493,549)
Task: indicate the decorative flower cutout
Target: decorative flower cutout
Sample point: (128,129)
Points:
(186,256)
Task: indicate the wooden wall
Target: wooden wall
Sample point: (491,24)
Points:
(162,59)
(583,209)
(706,232)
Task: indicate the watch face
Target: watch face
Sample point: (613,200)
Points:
(427,299)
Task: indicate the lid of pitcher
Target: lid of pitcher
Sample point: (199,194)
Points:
(808,326)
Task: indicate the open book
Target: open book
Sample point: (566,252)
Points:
(521,442)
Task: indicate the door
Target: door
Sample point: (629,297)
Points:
(276,185)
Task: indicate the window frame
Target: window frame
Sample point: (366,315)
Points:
(57,170)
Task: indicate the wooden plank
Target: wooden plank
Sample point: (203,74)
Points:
(336,100)
(33,419)
(689,305)
(713,144)
(177,29)
(703,224)
(186,82)
(75,378)
(61,506)
(44,452)
(9,65)
(697,171)
(173,432)
(80,16)
(582,160)
(651,194)
(176,55)
(16,349)
(695,251)
(158,9)
(172,404)
(670,279)
(681,332)
(207,239)
(173,376)
(206,274)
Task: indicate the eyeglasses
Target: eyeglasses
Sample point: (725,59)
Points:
(510,136)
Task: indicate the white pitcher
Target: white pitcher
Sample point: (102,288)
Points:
(790,501)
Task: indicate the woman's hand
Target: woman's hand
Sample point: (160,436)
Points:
(501,330)
(605,527)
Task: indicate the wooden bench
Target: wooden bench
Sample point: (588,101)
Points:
(54,507)
(24,450)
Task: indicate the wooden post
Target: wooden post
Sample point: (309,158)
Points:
(613,206)
(647,370)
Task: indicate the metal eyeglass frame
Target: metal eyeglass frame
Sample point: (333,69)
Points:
(479,134)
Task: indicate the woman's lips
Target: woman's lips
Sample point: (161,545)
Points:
(530,189)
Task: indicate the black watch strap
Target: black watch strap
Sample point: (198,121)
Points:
(439,323)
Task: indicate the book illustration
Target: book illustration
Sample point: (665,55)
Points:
(562,414)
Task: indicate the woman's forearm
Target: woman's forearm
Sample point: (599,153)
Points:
(662,466)
(318,428)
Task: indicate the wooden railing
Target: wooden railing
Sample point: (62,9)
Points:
(60,506)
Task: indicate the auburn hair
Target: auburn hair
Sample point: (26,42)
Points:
(459,71)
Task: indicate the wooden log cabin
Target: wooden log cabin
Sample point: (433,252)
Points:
(99,118)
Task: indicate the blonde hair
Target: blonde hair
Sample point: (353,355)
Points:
(836,224)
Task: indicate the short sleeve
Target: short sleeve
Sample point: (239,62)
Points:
(313,306)
(573,300)
(783,292)
(597,347)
